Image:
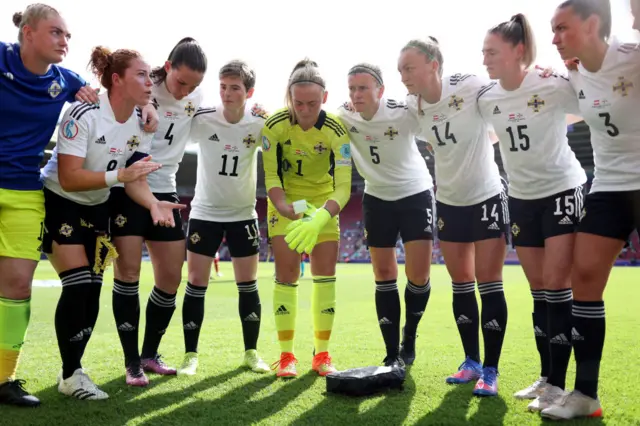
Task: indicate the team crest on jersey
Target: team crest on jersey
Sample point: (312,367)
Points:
(70,129)
(391,133)
(273,220)
(249,140)
(133,143)
(266,145)
(54,89)
(66,230)
(440,224)
(622,86)
(195,238)
(535,103)
(319,148)
(456,102)
(189,108)
(120,221)
(515,229)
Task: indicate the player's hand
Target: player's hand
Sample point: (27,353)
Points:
(545,72)
(286,210)
(137,170)
(162,213)
(88,95)
(150,118)
(302,234)
(259,111)
(572,64)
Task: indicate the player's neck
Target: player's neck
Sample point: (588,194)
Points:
(433,93)
(233,116)
(513,81)
(368,114)
(122,108)
(593,57)
(307,124)
(32,63)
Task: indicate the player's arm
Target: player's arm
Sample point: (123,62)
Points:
(484,86)
(271,166)
(341,148)
(568,99)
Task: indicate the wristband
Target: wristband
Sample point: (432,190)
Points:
(111,178)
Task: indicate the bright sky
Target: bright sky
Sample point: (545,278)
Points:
(272,36)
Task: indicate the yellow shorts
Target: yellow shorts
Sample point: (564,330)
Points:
(21,223)
(277,223)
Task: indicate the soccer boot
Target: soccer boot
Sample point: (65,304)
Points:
(533,391)
(189,365)
(393,361)
(254,362)
(573,405)
(322,364)
(157,365)
(80,386)
(468,371)
(408,348)
(135,375)
(14,393)
(550,394)
(286,365)
(487,384)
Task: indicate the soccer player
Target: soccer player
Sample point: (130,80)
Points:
(34,89)
(224,207)
(607,82)
(175,93)
(95,142)
(307,157)
(471,204)
(398,199)
(528,113)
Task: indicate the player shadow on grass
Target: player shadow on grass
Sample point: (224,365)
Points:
(237,406)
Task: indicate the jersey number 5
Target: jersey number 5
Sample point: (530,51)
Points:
(375,157)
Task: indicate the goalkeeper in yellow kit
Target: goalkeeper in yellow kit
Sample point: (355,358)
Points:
(307,161)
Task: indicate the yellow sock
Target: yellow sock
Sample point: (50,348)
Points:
(285,307)
(14,320)
(323,304)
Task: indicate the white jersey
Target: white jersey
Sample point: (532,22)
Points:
(466,171)
(385,151)
(172,135)
(227,175)
(531,125)
(92,132)
(609,102)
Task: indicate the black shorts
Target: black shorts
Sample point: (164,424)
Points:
(68,222)
(468,224)
(411,218)
(609,214)
(204,237)
(129,218)
(533,221)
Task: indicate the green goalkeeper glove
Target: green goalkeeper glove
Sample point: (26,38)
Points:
(302,234)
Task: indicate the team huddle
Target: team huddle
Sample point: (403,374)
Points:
(110,186)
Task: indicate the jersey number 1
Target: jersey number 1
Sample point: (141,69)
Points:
(234,172)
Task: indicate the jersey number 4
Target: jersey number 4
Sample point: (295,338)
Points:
(168,136)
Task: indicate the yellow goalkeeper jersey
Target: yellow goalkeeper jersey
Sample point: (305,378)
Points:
(311,163)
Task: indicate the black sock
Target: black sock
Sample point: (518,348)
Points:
(415,302)
(92,309)
(559,309)
(160,309)
(465,311)
(250,312)
(388,310)
(126,311)
(192,316)
(70,317)
(494,321)
(588,340)
(541,330)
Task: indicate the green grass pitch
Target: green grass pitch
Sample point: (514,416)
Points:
(223,393)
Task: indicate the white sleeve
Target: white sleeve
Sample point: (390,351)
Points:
(567,95)
(145,143)
(197,129)
(411,117)
(73,135)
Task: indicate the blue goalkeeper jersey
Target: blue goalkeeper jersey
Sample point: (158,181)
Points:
(30,106)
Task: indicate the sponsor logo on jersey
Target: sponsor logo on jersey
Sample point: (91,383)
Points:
(371,139)
(319,148)
(622,86)
(70,129)
(345,151)
(496,110)
(171,116)
(343,163)
(456,102)
(266,145)
(600,103)
(214,138)
(249,140)
(391,133)
(231,148)
(353,129)
(300,152)
(101,140)
(189,108)
(133,143)
(115,152)
(54,89)
(514,118)
(439,118)
(535,103)
(581,95)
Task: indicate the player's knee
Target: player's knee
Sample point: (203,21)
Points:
(127,270)
(556,280)
(19,286)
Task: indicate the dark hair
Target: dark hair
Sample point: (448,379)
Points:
(366,68)
(32,15)
(304,72)
(515,31)
(187,52)
(105,63)
(429,48)
(586,8)
(240,69)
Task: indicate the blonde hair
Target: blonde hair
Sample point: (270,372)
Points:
(305,72)
(429,48)
(33,14)
(515,31)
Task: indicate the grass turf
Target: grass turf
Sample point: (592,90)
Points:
(225,393)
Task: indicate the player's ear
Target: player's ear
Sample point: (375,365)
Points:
(250,92)
(167,66)
(380,92)
(324,96)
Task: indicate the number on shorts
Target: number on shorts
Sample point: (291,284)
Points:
(493,214)
(569,206)
(254,235)
(429,217)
